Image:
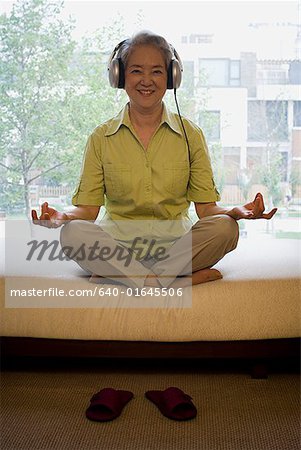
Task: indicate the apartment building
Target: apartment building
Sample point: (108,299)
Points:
(254,110)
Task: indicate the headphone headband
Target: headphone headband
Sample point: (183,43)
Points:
(114,52)
(116,70)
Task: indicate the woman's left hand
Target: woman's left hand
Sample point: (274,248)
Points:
(252,210)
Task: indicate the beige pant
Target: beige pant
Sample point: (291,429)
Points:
(208,241)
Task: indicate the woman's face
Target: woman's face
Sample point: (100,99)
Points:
(145,77)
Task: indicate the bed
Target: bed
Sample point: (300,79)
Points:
(253,312)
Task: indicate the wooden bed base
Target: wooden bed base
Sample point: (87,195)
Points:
(259,352)
(38,347)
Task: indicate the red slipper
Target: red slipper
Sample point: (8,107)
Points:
(173,403)
(107,404)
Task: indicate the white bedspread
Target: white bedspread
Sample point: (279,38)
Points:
(258,298)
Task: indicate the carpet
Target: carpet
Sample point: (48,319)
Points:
(43,407)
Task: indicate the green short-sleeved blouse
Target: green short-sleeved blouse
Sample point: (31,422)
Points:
(154,183)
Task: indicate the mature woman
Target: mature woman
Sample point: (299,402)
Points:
(146,164)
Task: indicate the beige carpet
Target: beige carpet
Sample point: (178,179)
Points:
(44,408)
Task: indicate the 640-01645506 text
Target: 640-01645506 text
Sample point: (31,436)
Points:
(97,292)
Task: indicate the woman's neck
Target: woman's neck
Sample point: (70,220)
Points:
(145,119)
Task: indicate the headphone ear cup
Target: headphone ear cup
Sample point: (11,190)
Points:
(121,81)
(116,73)
(169,76)
(174,74)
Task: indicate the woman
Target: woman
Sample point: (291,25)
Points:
(146,164)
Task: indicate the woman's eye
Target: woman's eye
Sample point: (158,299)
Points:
(157,71)
(135,71)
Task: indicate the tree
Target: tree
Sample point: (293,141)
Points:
(91,99)
(271,174)
(35,49)
(193,103)
(268,124)
(295,177)
(244,182)
(54,93)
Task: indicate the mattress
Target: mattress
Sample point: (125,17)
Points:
(258,298)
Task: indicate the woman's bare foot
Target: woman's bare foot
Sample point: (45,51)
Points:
(205,275)
(198,277)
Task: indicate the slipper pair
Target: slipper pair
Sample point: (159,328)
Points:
(108,404)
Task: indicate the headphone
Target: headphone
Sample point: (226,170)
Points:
(117,72)
(174,76)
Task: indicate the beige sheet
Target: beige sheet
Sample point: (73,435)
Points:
(258,298)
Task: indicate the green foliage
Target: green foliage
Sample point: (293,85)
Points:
(11,196)
(36,48)
(271,174)
(54,92)
(244,180)
(91,99)
(215,150)
(193,106)
(269,119)
(295,177)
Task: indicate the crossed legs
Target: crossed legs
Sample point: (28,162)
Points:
(190,259)
(211,239)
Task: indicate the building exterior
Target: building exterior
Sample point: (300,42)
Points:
(254,110)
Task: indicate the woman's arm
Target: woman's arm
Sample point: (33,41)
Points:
(51,218)
(252,210)
(209,209)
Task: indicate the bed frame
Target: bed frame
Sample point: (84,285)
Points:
(259,352)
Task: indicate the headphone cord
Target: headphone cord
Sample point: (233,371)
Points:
(186,138)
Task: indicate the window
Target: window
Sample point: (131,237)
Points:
(272,73)
(266,162)
(68,94)
(276,77)
(219,72)
(188,79)
(267,121)
(294,73)
(184,39)
(215,72)
(297,114)
(284,166)
(255,160)
(234,73)
(200,38)
(231,156)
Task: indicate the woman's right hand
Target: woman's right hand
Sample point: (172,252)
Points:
(49,217)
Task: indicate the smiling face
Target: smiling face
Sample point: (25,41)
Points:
(146,78)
